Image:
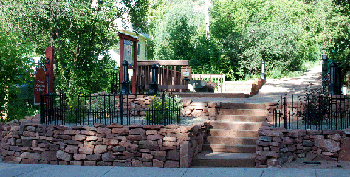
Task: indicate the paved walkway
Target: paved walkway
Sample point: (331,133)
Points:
(7,170)
(272,90)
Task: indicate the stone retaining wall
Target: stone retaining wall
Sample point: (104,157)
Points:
(276,146)
(117,145)
(206,110)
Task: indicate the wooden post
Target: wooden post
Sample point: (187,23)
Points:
(133,79)
(121,59)
(49,69)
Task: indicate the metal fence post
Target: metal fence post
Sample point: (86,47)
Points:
(126,83)
(334,77)
(263,75)
(325,78)
(42,116)
(153,87)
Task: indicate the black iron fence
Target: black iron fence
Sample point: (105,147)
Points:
(106,108)
(115,83)
(313,111)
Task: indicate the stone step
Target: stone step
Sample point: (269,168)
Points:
(241,118)
(221,159)
(243,106)
(235,125)
(231,140)
(251,112)
(246,92)
(214,95)
(238,148)
(233,133)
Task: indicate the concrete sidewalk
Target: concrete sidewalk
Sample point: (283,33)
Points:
(67,171)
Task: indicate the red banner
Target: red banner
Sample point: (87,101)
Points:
(40,85)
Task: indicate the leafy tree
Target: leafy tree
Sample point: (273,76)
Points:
(15,65)
(79,30)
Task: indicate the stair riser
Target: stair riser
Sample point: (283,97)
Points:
(242,106)
(250,112)
(233,133)
(228,149)
(232,118)
(237,127)
(230,141)
(224,162)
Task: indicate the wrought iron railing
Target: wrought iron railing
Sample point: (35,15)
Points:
(110,108)
(312,111)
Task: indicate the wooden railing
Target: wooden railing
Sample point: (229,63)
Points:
(168,75)
(219,79)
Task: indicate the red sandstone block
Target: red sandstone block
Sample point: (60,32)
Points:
(71,132)
(71,149)
(158,163)
(153,127)
(137,131)
(114,125)
(113,142)
(171,164)
(99,149)
(108,157)
(86,150)
(87,132)
(136,163)
(101,130)
(103,163)
(93,157)
(213,105)
(212,112)
(134,137)
(173,155)
(79,163)
(120,130)
(172,126)
(89,163)
(146,157)
(146,164)
(30,161)
(154,137)
(170,139)
(79,156)
(91,138)
(53,162)
(151,132)
(158,153)
(63,156)
(122,164)
(79,137)
(30,134)
(62,163)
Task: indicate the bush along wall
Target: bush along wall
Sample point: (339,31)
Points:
(112,145)
(276,146)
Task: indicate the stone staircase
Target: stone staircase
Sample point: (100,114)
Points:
(231,141)
(250,87)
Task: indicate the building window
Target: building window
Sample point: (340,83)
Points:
(138,49)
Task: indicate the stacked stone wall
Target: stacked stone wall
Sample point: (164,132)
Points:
(111,145)
(276,146)
(206,110)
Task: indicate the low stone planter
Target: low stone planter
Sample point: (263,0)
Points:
(278,145)
(170,146)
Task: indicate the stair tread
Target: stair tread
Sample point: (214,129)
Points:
(236,122)
(224,155)
(233,137)
(234,145)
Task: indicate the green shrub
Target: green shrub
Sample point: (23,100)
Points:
(164,110)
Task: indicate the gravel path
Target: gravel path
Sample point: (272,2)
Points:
(272,90)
